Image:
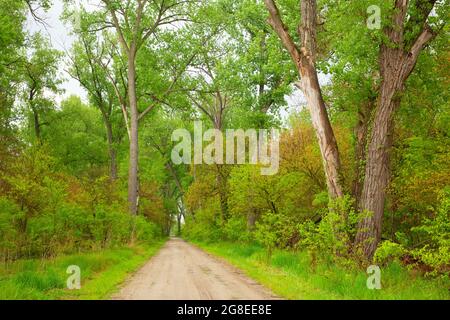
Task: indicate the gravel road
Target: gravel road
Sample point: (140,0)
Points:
(181,271)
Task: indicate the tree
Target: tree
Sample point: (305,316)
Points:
(410,30)
(403,39)
(40,78)
(157,135)
(304,58)
(135,23)
(266,72)
(12,38)
(75,136)
(88,68)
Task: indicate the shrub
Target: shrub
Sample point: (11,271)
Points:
(202,227)
(236,229)
(9,212)
(146,230)
(436,252)
(44,213)
(388,251)
(275,230)
(332,237)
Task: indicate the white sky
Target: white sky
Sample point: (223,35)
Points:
(60,39)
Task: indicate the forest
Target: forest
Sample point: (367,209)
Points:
(358,91)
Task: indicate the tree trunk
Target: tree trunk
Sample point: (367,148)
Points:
(133,188)
(361,130)
(252,216)
(112,152)
(110,141)
(396,64)
(395,68)
(178,224)
(324,131)
(223,194)
(37,125)
(304,59)
(310,86)
(377,172)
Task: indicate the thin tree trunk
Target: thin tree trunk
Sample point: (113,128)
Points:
(133,188)
(178,224)
(361,131)
(110,141)
(37,126)
(223,194)
(112,151)
(251,220)
(174,175)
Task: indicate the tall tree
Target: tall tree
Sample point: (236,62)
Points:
(409,31)
(40,78)
(304,58)
(88,66)
(135,23)
(215,89)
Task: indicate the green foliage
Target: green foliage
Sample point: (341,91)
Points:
(202,227)
(267,231)
(101,273)
(49,213)
(288,275)
(436,252)
(331,238)
(388,251)
(274,230)
(76,137)
(224,65)
(236,229)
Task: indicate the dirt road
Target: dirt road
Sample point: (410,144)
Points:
(181,271)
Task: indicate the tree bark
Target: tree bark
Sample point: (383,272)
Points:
(304,59)
(111,150)
(223,192)
(37,125)
(133,188)
(377,172)
(360,131)
(396,64)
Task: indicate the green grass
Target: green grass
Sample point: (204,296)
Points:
(289,275)
(101,274)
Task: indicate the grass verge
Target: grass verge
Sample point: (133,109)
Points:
(101,274)
(289,275)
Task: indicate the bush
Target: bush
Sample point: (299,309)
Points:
(275,230)
(387,252)
(44,213)
(332,237)
(436,252)
(9,212)
(236,229)
(202,227)
(146,230)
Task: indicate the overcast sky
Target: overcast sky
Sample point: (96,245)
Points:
(60,39)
